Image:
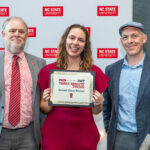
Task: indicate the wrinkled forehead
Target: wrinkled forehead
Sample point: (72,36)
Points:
(15,24)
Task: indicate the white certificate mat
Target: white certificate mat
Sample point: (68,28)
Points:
(71,87)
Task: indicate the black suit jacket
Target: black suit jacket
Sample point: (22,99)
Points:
(111,99)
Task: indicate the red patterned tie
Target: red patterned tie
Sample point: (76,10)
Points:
(14,104)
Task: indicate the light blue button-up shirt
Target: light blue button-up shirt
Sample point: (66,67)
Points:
(128,90)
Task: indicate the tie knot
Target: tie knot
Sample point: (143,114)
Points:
(15,57)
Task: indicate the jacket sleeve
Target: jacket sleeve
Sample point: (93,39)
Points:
(107,104)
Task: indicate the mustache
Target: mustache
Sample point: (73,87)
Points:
(17,38)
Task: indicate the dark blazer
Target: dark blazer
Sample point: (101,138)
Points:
(35,65)
(111,98)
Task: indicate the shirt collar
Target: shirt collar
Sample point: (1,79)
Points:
(140,64)
(10,55)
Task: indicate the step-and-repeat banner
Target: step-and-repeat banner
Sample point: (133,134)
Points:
(141,14)
(48,19)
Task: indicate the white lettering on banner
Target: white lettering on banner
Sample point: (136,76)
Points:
(107,10)
(110,9)
(47,9)
(49,52)
(31,31)
(4,11)
(53,11)
(107,53)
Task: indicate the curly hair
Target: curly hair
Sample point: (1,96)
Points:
(86,55)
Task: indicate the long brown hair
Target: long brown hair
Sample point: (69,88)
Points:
(86,55)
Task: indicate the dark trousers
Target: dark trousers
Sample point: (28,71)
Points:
(126,141)
(18,139)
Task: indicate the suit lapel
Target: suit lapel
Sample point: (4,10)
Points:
(144,78)
(116,80)
(32,66)
(2,70)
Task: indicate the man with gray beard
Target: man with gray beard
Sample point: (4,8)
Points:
(19,92)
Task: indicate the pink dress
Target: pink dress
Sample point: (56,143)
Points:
(70,128)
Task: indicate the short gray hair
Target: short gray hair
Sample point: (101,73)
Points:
(13,18)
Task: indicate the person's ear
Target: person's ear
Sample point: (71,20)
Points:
(3,34)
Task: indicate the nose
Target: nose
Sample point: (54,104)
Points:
(130,40)
(17,33)
(75,41)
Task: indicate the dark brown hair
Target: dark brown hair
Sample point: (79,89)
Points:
(86,55)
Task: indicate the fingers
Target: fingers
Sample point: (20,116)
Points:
(46,94)
(97,98)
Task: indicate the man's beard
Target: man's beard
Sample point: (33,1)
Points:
(15,48)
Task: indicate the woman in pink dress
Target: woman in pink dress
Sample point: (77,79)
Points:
(72,128)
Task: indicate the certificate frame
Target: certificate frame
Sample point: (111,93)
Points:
(71,88)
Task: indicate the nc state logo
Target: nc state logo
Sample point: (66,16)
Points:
(49,52)
(31,31)
(4,11)
(1,49)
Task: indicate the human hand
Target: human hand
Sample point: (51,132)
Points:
(46,94)
(98,98)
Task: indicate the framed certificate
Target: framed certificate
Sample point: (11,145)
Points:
(72,88)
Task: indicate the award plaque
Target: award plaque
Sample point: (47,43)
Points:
(72,88)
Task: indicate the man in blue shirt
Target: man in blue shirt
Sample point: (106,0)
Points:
(126,107)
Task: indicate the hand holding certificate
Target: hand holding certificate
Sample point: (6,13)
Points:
(73,88)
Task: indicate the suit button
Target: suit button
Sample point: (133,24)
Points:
(2,107)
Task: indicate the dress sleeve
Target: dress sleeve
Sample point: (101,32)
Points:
(43,78)
(101,80)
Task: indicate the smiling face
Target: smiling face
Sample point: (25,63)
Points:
(133,40)
(15,35)
(75,42)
